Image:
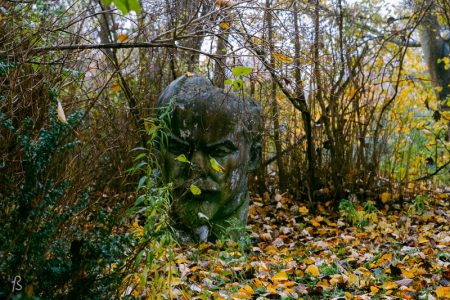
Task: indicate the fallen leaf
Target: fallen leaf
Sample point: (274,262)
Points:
(374,290)
(443,292)
(303,210)
(385,197)
(348,295)
(315,223)
(389,285)
(245,292)
(281,276)
(404,282)
(308,261)
(422,240)
(407,274)
(312,270)
(353,279)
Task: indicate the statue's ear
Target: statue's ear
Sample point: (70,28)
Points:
(255,156)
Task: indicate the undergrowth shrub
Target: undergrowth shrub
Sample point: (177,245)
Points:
(51,248)
(154,261)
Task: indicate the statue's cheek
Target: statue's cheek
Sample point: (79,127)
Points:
(235,178)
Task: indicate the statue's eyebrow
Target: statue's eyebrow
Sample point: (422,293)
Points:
(177,139)
(227,143)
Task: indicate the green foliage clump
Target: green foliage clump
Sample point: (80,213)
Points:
(44,239)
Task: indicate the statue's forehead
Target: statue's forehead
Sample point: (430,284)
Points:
(207,124)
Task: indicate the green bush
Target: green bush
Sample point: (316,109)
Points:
(58,249)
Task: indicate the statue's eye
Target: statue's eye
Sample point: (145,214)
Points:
(177,148)
(222,150)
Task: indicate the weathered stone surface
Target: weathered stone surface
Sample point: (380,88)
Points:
(208,124)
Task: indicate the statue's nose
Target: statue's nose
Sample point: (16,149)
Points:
(200,164)
(201,172)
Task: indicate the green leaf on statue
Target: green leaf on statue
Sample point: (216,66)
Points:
(182,158)
(215,165)
(195,190)
(228,81)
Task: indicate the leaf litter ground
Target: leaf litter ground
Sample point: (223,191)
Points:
(400,251)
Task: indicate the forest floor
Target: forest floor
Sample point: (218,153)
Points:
(399,251)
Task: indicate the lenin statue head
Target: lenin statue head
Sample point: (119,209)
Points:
(219,134)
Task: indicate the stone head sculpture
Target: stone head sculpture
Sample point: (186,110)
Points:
(219,134)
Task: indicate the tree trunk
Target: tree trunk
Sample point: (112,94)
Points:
(434,49)
(275,109)
(306,115)
(221,50)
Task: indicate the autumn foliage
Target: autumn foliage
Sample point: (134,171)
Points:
(350,200)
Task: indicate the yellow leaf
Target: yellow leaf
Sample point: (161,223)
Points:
(353,279)
(281,276)
(312,270)
(374,290)
(258,283)
(421,124)
(61,115)
(282,58)
(271,289)
(443,292)
(122,37)
(224,25)
(315,223)
(384,259)
(422,240)
(385,197)
(348,295)
(29,290)
(240,295)
(247,290)
(336,279)
(175,281)
(390,285)
(308,261)
(323,284)
(115,87)
(407,274)
(181,260)
(290,283)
